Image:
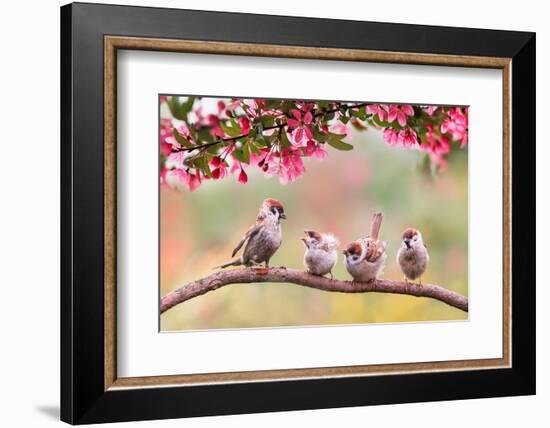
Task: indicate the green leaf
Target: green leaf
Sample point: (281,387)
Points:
(174,106)
(344,119)
(178,109)
(323,105)
(272,104)
(242,154)
(235,125)
(206,166)
(204,136)
(285,142)
(229,130)
(359,114)
(268,121)
(319,136)
(253,148)
(181,139)
(186,107)
(379,122)
(336,142)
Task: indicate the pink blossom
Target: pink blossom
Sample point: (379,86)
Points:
(220,168)
(391,136)
(243,178)
(293,166)
(177,158)
(184,130)
(174,145)
(435,143)
(431,109)
(380,110)
(301,125)
(244,123)
(162,98)
(456,125)
(165,132)
(192,181)
(313,149)
(408,137)
(400,113)
(340,128)
(251,107)
(288,167)
(437,146)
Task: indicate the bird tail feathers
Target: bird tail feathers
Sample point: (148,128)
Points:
(236,262)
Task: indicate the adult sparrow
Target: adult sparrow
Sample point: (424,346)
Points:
(412,256)
(365,258)
(321,255)
(263,239)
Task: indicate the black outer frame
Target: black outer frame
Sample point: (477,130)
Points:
(83,399)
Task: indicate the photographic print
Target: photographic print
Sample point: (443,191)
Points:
(287,212)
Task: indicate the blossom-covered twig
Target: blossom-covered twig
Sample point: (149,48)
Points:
(275,135)
(283,275)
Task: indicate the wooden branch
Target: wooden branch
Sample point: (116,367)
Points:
(268,128)
(282,275)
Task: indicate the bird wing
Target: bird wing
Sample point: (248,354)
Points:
(249,233)
(376,249)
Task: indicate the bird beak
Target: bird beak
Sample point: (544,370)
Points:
(407,243)
(345,253)
(283,216)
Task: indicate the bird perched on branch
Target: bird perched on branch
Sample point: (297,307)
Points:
(321,255)
(412,256)
(263,239)
(365,258)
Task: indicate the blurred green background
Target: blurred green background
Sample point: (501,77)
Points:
(338,194)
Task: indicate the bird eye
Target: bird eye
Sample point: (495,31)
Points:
(274,210)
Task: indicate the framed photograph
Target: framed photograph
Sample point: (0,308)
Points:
(266,213)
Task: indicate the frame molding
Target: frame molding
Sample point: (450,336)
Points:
(114,43)
(90,390)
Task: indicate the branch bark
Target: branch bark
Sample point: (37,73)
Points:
(282,275)
(279,126)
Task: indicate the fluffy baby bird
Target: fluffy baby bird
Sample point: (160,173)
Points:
(412,256)
(321,255)
(365,258)
(263,239)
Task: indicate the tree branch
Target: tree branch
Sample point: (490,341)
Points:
(278,126)
(282,275)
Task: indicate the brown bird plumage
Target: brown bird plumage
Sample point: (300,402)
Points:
(412,256)
(364,258)
(263,238)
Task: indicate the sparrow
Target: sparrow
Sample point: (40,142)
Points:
(364,258)
(263,239)
(321,255)
(412,256)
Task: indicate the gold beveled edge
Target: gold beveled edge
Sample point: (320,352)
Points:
(308,373)
(507,213)
(109,197)
(112,43)
(301,52)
